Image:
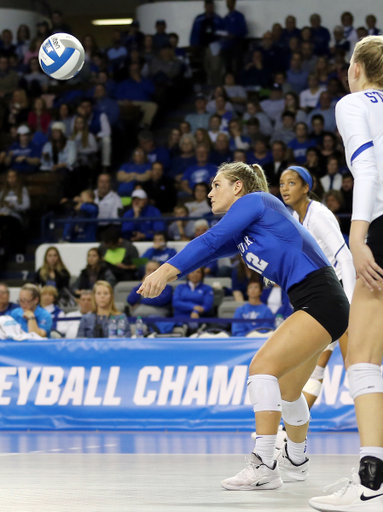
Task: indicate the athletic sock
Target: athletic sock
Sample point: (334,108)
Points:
(371,451)
(296,451)
(264,447)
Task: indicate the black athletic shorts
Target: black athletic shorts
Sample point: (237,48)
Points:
(375,239)
(321,295)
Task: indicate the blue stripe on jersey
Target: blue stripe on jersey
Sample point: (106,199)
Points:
(337,252)
(362,148)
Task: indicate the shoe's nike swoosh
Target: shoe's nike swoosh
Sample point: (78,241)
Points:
(366,498)
(259,485)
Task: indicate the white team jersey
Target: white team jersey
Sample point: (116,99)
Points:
(359,117)
(324,227)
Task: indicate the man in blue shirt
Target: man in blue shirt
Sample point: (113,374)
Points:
(6,307)
(141,230)
(160,38)
(201,118)
(153,153)
(232,44)
(159,252)
(202,172)
(131,172)
(140,92)
(326,110)
(31,316)
(301,143)
(23,156)
(205,26)
(254,309)
(320,35)
(117,54)
(106,105)
(296,77)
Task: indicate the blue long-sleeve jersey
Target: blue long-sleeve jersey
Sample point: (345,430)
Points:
(160,255)
(185,298)
(163,300)
(270,241)
(248,311)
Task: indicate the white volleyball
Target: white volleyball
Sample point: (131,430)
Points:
(61,56)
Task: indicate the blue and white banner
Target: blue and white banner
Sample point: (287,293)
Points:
(145,384)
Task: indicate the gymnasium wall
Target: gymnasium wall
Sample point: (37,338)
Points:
(260,14)
(12,18)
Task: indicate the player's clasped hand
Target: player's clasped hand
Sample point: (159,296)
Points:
(367,269)
(153,285)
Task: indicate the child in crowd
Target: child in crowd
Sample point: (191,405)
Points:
(85,207)
(159,252)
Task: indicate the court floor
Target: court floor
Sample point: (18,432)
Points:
(152,472)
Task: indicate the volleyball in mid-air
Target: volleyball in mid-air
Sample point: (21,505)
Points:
(61,56)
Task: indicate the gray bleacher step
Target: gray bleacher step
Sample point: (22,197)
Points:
(18,266)
(15,283)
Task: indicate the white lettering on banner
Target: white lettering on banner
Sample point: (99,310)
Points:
(109,398)
(175,386)
(26,383)
(330,386)
(4,385)
(90,396)
(197,387)
(49,390)
(139,397)
(221,391)
(74,387)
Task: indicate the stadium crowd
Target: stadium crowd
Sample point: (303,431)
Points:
(97,144)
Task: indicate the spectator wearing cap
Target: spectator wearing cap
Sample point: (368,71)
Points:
(108,202)
(23,156)
(59,154)
(132,173)
(202,172)
(296,76)
(30,315)
(275,105)
(256,76)
(140,92)
(200,119)
(141,230)
(6,307)
(9,79)
(153,153)
(160,38)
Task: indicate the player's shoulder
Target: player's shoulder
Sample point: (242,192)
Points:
(319,211)
(350,101)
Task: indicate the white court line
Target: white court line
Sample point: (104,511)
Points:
(92,447)
(108,445)
(75,448)
(56,450)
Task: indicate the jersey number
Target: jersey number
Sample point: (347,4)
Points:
(256,263)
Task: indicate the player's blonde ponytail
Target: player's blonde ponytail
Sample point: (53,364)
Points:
(252,176)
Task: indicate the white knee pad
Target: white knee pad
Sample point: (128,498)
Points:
(364,378)
(296,413)
(331,347)
(264,393)
(313,387)
(318,373)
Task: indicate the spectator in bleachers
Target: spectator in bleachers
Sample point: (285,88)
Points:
(312,163)
(280,78)
(64,116)
(147,52)
(221,152)
(6,307)
(95,270)
(43,29)
(290,29)
(252,130)
(340,42)
(90,47)
(361,32)
(134,38)
(160,306)
(335,90)
(214,127)
(23,156)
(256,75)
(225,114)
(273,55)
(277,33)
(309,97)
(286,133)
(165,67)
(7,47)
(320,35)
(99,125)
(274,169)
(181,229)
(300,143)
(14,204)
(200,227)
(140,92)
(160,189)
(84,208)
(254,111)
(202,172)
(118,254)
(261,155)
(237,139)
(332,179)
(200,205)
(326,110)
(154,153)
(240,277)
(333,199)
(174,143)
(69,329)
(194,299)
(30,315)
(59,154)
(236,93)
(275,105)
(202,137)
(132,173)
(34,48)
(106,105)
(39,118)
(240,156)
(201,118)
(277,301)
(349,32)
(108,202)
(141,230)
(371,22)
(211,107)
(18,107)
(323,70)
(317,124)
(86,150)
(254,310)
(37,80)
(291,103)
(347,192)
(96,323)
(58,23)
(232,44)
(296,76)
(48,300)
(159,252)
(117,53)
(53,272)
(187,158)
(181,55)
(160,38)
(328,147)
(23,38)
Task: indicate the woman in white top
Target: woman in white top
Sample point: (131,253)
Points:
(295,186)
(86,143)
(359,119)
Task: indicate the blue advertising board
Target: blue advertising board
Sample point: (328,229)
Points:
(145,384)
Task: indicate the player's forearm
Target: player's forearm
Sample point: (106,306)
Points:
(358,233)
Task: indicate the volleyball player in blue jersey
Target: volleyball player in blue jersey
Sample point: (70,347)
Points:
(274,244)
